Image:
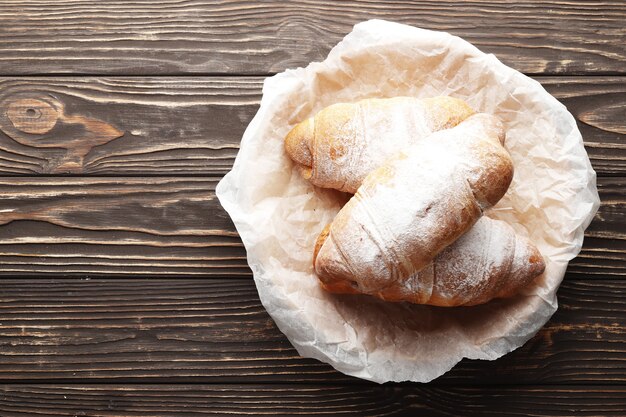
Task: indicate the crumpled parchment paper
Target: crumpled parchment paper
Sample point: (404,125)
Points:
(279,215)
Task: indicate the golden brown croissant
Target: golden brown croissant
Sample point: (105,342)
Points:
(344,142)
(489,261)
(416,204)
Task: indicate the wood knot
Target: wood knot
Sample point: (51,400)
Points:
(32,115)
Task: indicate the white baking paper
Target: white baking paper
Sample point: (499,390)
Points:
(279,215)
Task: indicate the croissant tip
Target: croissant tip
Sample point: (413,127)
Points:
(320,242)
(531,265)
(297,143)
(538,265)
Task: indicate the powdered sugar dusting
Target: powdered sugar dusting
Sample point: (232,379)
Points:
(351,140)
(473,269)
(489,261)
(416,204)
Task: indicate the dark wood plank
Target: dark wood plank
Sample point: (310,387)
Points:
(234,36)
(155,126)
(604,248)
(309,400)
(193,125)
(217,331)
(176,226)
(166,226)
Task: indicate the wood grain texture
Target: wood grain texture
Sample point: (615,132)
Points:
(195,330)
(175,226)
(226,37)
(165,226)
(145,154)
(168,126)
(308,400)
(193,125)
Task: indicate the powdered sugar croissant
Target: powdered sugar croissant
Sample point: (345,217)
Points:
(489,261)
(344,142)
(416,204)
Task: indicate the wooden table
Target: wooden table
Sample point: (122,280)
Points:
(124,286)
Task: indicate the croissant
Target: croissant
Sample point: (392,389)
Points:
(344,142)
(489,261)
(437,189)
